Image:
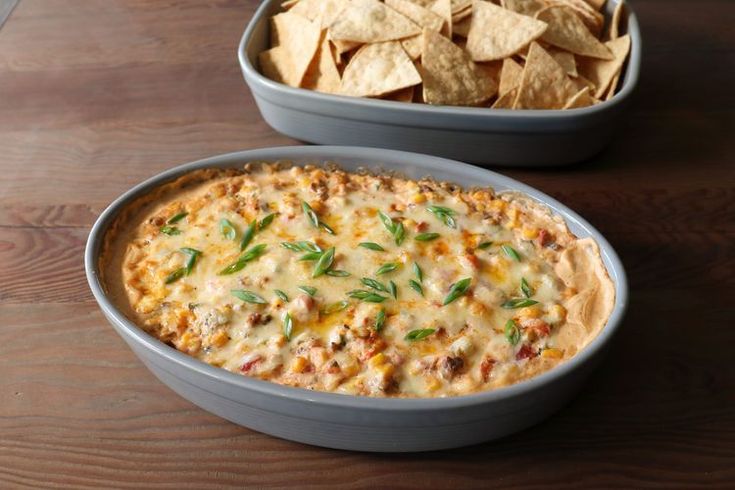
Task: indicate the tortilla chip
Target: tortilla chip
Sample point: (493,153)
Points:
(497,33)
(377,69)
(322,11)
(412,46)
(510,76)
(450,77)
(596,4)
(322,75)
(461,15)
(288,4)
(417,14)
(525,7)
(371,21)
(568,32)
(593,19)
(403,95)
(566,60)
(580,99)
(614,32)
(342,47)
(544,84)
(297,43)
(602,72)
(444,9)
(459,5)
(506,101)
(492,69)
(462,28)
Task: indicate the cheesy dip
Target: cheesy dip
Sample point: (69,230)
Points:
(356,283)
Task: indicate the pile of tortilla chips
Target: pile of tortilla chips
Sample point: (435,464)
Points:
(509,54)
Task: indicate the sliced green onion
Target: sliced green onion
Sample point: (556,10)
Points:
(248,296)
(281,295)
(367,296)
(324,263)
(426,237)
(287,326)
(512,333)
(379,320)
(227,229)
(337,273)
(386,268)
(457,289)
(311,291)
(252,254)
(485,245)
(525,288)
(511,252)
(514,303)
(419,334)
(267,220)
(170,230)
(419,273)
(335,307)
(371,246)
(416,286)
(393,289)
(248,234)
(310,214)
(372,283)
(177,217)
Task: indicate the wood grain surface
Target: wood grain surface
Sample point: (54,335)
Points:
(97,95)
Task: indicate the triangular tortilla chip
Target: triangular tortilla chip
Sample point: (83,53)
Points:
(462,28)
(525,7)
(443,8)
(322,11)
(596,4)
(614,32)
(297,43)
(450,77)
(459,5)
(510,76)
(342,47)
(593,19)
(417,14)
(601,72)
(371,21)
(566,60)
(544,84)
(506,101)
(461,15)
(288,4)
(377,69)
(568,32)
(322,75)
(412,46)
(580,99)
(497,33)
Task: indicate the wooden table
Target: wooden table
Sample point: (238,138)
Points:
(97,95)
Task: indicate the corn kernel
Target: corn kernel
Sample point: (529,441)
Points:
(418,198)
(350,369)
(559,311)
(530,312)
(433,384)
(377,359)
(552,353)
(220,338)
(298,365)
(529,233)
(386,369)
(497,204)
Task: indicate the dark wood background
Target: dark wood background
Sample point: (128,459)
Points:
(98,95)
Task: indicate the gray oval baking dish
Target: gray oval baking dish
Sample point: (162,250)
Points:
(472,134)
(352,422)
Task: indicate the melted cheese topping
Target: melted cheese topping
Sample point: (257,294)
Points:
(534,293)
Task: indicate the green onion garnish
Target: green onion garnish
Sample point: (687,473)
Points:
(419,334)
(426,237)
(252,254)
(248,296)
(512,333)
(514,303)
(511,252)
(457,289)
(371,246)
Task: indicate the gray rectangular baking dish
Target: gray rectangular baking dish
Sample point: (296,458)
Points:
(472,134)
(353,422)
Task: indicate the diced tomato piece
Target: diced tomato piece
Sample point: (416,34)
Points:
(486,367)
(525,352)
(249,364)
